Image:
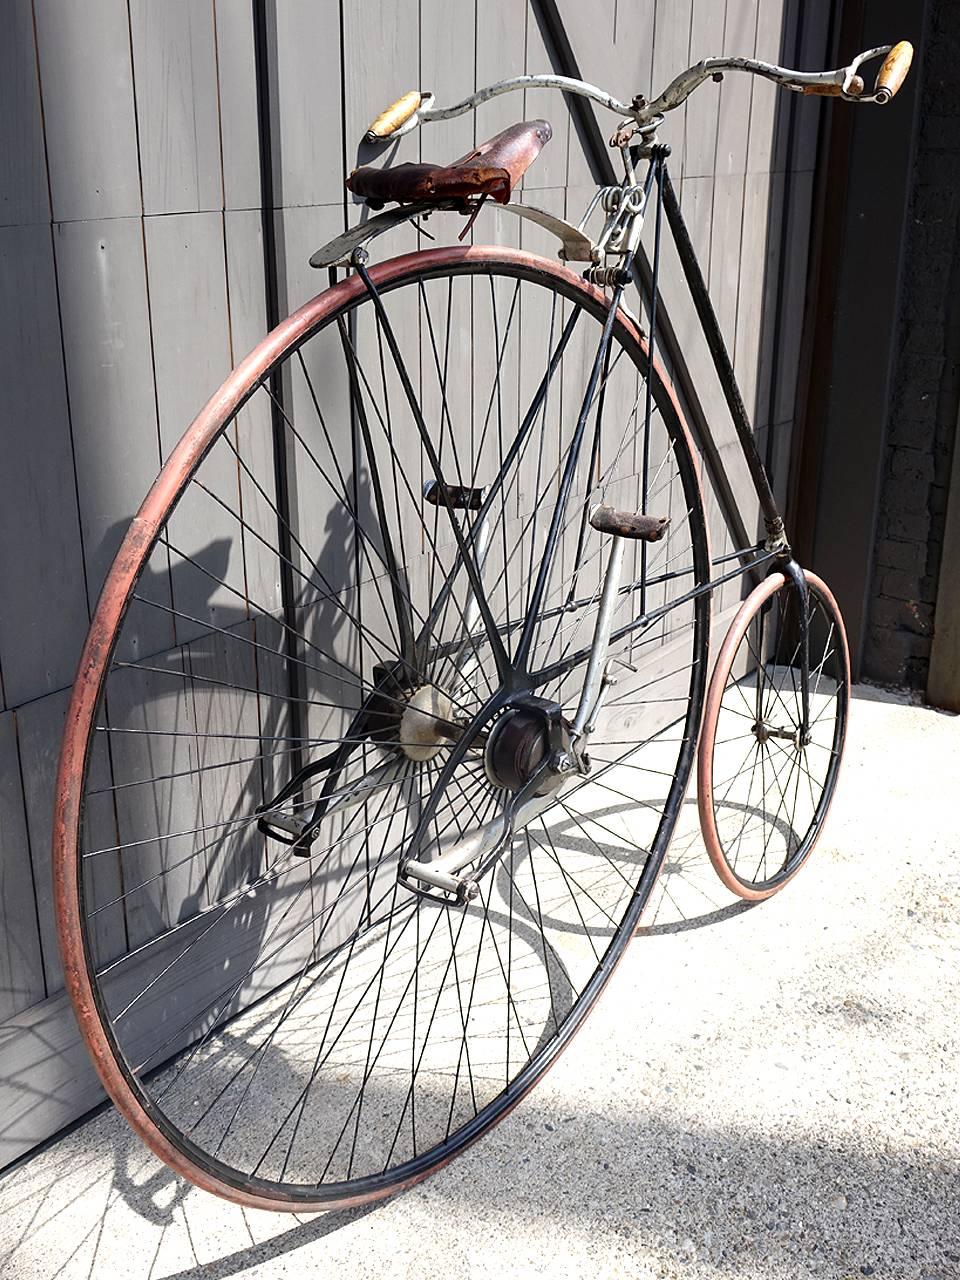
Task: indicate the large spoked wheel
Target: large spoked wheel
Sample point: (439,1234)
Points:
(763,787)
(314,663)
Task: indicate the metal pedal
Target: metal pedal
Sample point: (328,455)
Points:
(440,494)
(629,524)
(285,828)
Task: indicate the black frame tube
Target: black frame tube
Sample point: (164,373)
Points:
(721,359)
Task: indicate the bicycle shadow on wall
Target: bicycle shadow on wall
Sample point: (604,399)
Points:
(171,825)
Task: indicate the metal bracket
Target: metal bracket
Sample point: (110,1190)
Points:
(338,251)
(576,246)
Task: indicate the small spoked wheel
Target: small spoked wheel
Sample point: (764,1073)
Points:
(764,784)
(301,684)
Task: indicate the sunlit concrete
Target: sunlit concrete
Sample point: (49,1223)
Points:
(764,1092)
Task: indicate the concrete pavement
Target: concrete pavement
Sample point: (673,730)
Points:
(764,1092)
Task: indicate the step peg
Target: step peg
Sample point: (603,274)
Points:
(287,829)
(285,822)
(440,494)
(629,524)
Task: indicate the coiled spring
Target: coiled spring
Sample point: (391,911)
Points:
(606,277)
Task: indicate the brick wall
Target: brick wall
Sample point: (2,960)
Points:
(922,424)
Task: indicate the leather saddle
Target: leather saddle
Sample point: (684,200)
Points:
(492,169)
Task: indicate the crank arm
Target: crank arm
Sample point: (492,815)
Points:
(302,831)
(484,845)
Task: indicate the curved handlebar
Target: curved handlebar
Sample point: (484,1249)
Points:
(416,108)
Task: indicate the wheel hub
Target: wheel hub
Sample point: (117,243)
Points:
(519,743)
(425,723)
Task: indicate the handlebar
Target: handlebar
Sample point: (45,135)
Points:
(417,107)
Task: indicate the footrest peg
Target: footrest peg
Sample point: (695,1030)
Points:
(287,829)
(629,524)
(461,498)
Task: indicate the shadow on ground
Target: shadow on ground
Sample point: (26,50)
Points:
(633,1183)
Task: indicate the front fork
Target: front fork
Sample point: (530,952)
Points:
(793,571)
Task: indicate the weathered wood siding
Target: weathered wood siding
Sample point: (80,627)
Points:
(131,278)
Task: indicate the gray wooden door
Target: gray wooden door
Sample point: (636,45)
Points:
(132,279)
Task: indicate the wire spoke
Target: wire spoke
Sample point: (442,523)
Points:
(299,1005)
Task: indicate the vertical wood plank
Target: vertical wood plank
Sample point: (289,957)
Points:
(752,293)
(706,41)
(305,88)
(448,41)
(768,98)
(812,54)
(550,167)
(671,53)
(697,207)
(109,357)
(39,728)
(21,965)
(88,113)
(763,338)
(188,307)
(23,172)
(157,705)
(238,105)
(40,560)
(245,287)
(188,313)
(228,755)
(175,71)
(375,73)
(725,229)
(739,41)
(501,53)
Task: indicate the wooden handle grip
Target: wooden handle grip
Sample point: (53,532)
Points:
(389,121)
(854,89)
(894,70)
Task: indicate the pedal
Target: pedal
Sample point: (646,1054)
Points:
(437,885)
(629,524)
(461,498)
(285,828)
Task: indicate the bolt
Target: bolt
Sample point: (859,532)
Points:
(469,889)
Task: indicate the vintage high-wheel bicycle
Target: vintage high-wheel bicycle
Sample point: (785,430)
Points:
(394,689)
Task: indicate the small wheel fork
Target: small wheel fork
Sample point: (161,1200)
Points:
(795,573)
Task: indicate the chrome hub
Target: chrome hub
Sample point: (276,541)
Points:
(426,724)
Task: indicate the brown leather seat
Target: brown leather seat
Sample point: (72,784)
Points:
(493,169)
